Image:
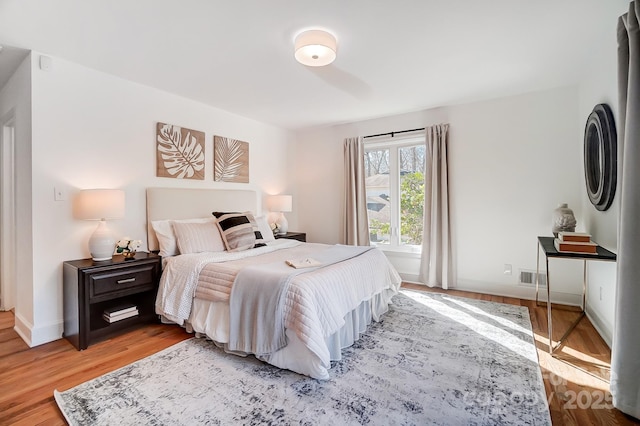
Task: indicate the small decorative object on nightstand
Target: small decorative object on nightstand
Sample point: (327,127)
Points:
(128,247)
(104,298)
(300,236)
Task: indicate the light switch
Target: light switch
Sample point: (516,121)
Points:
(59,194)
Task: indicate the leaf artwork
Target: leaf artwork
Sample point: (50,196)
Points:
(180,152)
(230,160)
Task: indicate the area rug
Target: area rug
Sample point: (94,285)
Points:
(433,359)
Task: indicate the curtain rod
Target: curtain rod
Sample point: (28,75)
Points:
(393,133)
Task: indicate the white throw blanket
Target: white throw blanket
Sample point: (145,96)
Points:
(258,296)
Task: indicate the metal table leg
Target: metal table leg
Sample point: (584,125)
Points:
(573,325)
(537,271)
(549,321)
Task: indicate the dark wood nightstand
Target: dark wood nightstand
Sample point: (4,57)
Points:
(300,236)
(91,288)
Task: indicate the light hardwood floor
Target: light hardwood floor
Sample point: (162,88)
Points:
(577,394)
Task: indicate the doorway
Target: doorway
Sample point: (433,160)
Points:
(8,246)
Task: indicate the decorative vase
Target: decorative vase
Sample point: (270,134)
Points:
(129,254)
(563,220)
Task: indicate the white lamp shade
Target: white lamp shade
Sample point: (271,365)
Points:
(280,203)
(315,48)
(100,204)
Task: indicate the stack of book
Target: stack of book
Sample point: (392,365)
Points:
(119,313)
(575,242)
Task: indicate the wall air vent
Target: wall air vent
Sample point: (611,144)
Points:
(528,278)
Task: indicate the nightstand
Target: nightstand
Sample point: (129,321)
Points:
(300,236)
(91,288)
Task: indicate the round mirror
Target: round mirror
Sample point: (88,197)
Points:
(600,157)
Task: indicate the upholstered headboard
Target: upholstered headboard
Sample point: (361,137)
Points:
(180,203)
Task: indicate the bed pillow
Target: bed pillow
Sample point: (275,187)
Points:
(198,237)
(238,230)
(261,238)
(265,230)
(167,238)
(260,241)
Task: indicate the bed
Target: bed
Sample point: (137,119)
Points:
(249,300)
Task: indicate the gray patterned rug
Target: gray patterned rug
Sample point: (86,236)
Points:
(434,359)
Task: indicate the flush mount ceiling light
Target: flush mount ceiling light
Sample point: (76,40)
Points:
(315,48)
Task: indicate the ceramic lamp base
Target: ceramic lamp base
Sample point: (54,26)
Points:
(101,243)
(283,224)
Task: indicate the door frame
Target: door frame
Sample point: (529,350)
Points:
(8,242)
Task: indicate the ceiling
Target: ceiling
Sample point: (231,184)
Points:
(10,59)
(393,57)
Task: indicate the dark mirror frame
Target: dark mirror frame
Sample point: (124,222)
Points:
(600,157)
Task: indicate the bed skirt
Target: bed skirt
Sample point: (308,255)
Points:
(211,320)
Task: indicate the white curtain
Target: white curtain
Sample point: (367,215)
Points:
(436,264)
(356,225)
(625,355)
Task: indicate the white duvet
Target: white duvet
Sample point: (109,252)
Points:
(180,277)
(316,302)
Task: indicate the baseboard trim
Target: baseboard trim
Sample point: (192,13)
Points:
(23,328)
(409,278)
(601,327)
(35,336)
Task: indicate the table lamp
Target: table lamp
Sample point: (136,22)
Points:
(281,204)
(100,204)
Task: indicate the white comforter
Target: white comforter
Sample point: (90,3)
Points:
(180,277)
(316,302)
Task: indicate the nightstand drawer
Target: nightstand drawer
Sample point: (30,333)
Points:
(119,280)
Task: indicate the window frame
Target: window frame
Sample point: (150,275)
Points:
(394,143)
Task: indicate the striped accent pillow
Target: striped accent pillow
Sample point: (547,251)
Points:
(237,230)
(197,237)
(260,240)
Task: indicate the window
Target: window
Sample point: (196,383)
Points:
(394,183)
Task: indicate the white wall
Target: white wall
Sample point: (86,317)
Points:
(600,85)
(511,160)
(15,99)
(93,130)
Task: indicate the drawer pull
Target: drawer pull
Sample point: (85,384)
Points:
(128,280)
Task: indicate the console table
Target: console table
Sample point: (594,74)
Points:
(546,245)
